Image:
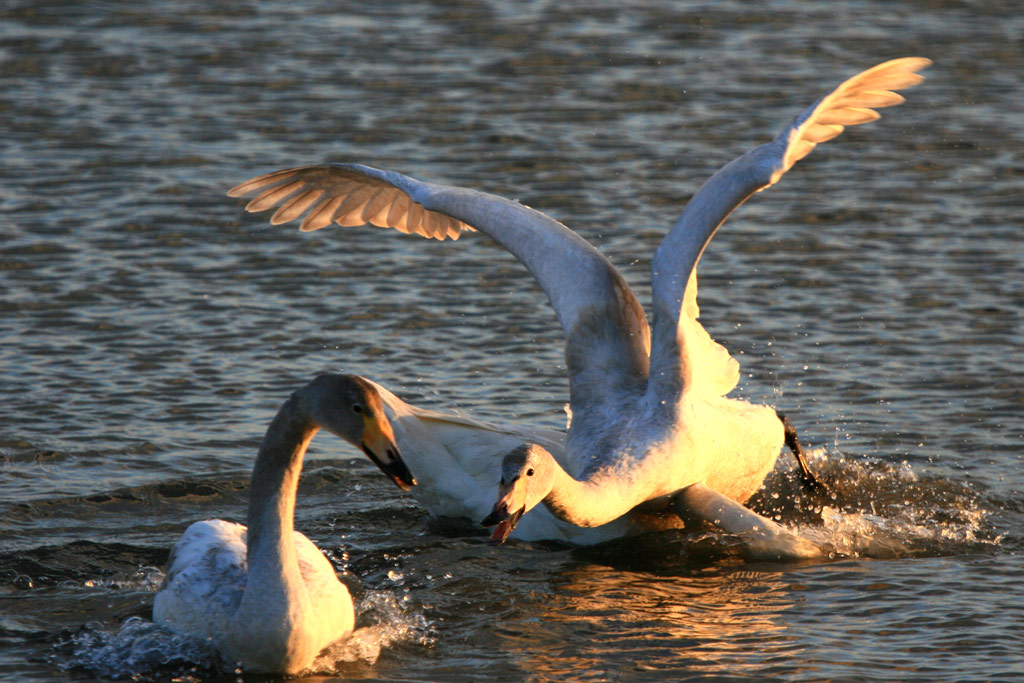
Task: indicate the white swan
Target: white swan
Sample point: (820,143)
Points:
(266,596)
(456,461)
(650,417)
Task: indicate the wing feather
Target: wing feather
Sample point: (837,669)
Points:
(295,206)
(376,205)
(274,196)
(851,104)
(396,216)
(341,194)
(350,212)
(607,337)
(683,354)
(322,215)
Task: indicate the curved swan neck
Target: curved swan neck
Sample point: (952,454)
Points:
(584,503)
(274,483)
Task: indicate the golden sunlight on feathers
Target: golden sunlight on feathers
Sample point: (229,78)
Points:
(343,194)
(651,421)
(851,104)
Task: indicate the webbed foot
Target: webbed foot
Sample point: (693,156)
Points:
(812,482)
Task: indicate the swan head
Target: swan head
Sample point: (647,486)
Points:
(350,407)
(526,479)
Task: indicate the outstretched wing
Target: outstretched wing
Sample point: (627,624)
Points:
(607,337)
(683,355)
(346,194)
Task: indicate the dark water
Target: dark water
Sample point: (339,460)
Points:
(149,328)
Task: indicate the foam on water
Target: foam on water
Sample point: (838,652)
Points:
(139,649)
(882,510)
(142,650)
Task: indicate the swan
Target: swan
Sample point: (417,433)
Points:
(264,594)
(456,461)
(651,424)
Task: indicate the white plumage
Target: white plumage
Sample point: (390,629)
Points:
(264,594)
(650,417)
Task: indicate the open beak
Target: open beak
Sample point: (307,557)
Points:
(504,521)
(379,446)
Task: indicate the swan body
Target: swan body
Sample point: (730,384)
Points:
(264,594)
(649,406)
(456,461)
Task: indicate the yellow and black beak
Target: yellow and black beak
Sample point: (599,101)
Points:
(379,446)
(505,514)
(505,521)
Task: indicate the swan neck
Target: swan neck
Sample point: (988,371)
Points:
(272,491)
(584,503)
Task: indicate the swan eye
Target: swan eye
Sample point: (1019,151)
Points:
(356,408)
(529,472)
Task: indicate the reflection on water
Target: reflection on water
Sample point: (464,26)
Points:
(710,618)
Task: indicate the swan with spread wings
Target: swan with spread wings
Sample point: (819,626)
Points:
(651,422)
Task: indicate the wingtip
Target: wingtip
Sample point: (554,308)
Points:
(918,63)
(242,189)
(896,74)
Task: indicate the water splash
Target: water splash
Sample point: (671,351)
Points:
(148,579)
(142,650)
(861,534)
(384,620)
(884,510)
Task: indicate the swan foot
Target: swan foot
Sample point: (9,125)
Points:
(812,482)
(763,539)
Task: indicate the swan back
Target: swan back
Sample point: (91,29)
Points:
(202,595)
(456,460)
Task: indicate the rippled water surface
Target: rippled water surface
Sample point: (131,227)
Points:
(149,327)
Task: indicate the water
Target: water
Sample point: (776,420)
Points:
(149,328)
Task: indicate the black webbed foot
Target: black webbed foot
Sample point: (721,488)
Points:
(811,482)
